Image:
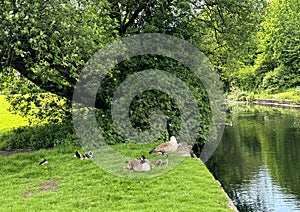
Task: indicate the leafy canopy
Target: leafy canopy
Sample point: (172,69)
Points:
(276,62)
(45,44)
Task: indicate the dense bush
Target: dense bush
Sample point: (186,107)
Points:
(38,137)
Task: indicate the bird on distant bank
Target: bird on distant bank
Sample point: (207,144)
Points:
(166,147)
(44,162)
(88,155)
(226,124)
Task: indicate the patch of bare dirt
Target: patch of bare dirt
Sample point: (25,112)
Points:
(48,186)
(28,193)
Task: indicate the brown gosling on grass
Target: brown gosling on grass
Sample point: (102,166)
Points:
(160,162)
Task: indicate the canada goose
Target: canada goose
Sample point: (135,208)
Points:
(44,162)
(88,155)
(167,147)
(139,164)
(77,155)
(169,129)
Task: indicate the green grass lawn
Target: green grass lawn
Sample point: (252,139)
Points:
(70,184)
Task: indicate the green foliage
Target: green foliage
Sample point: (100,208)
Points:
(147,102)
(275,63)
(14,135)
(234,47)
(40,107)
(277,66)
(250,97)
(244,79)
(51,36)
(39,137)
(48,43)
(237,94)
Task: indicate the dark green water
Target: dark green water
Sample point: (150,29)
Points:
(258,159)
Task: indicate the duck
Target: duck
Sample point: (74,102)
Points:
(44,162)
(88,155)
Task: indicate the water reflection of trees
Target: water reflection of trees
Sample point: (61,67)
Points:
(281,149)
(259,136)
(238,155)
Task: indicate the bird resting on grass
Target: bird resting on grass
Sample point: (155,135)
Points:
(88,155)
(139,164)
(44,162)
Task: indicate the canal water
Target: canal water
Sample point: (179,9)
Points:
(258,159)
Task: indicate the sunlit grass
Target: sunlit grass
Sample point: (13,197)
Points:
(7,119)
(290,94)
(82,185)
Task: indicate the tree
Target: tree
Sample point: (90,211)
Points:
(277,64)
(48,42)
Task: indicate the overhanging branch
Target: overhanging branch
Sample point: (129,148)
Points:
(50,86)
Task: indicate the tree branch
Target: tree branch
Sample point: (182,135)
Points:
(50,86)
(65,73)
(122,30)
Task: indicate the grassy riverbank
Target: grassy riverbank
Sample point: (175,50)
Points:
(292,94)
(287,95)
(69,184)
